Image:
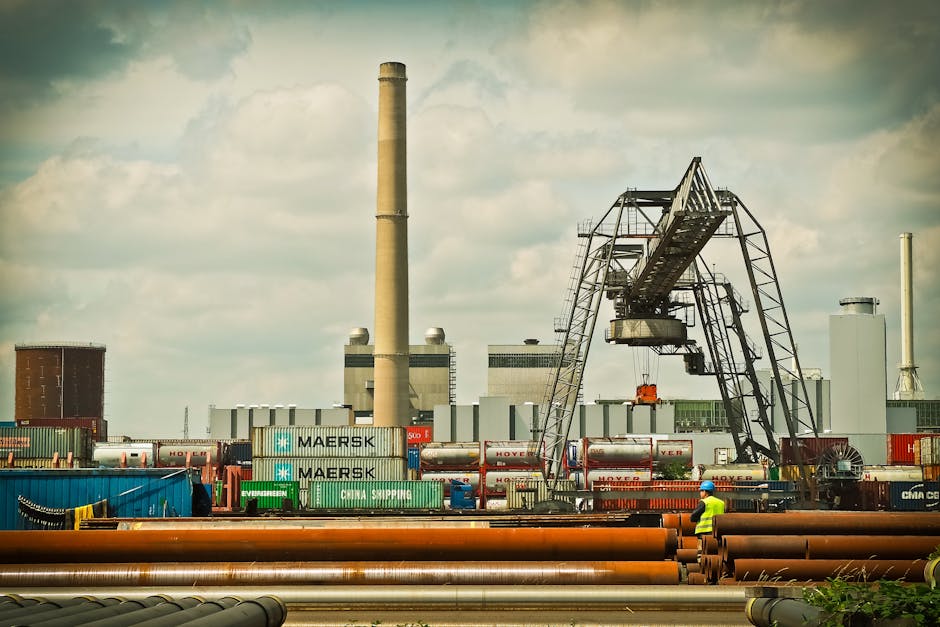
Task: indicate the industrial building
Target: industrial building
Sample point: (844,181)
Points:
(857,357)
(59,380)
(520,372)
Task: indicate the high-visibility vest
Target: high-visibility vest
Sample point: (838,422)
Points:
(713,507)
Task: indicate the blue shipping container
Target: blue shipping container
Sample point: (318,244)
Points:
(915,496)
(414,458)
(130,492)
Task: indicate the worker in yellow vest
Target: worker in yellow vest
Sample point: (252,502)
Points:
(704,515)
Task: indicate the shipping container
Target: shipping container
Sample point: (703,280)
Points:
(307,469)
(38,442)
(622,475)
(672,452)
(525,493)
(469,477)
(419,434)
(866,496)
(46,462)
(237,453)
(915,496)
(321,441)
(931,473)
(125,454)
(372,495)
(495,481)
(810,448)
(130,493)
(732,472)
(97,427)
(892,473)
(450,455)
(620,452)
(901,448)
(195,453)
(518,454)
(270,494)
(927,451)
(792,472)
(414,458)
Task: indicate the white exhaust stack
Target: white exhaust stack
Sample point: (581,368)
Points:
(909,387)
(391,403)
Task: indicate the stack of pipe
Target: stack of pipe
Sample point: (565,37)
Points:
(816,545)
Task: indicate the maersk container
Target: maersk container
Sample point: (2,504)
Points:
(44,442)
(270,494)
(622,452)
(125,454)
(199,453)
(454,455)
(731,472)
(322,441)
(519,454)
(619,475)
(307,469)
(915,496)
(386,495)
(892,473)
(469,477)
(130,492)
(672,452)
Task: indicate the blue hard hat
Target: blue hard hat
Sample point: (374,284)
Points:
(708,486)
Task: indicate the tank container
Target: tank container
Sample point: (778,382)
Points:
(270,494)
(672,452)
(173,453)
(44,442)
(495,480)
(387,495)
(915,496)
(463,455)
(469,477)
(519,454)
(320,441)
(892,473)
(625,452)
(732,472)
(307,469)
(133,454)
(619,475)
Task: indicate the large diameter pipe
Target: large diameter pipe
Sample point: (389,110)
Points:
(828,523)
(139,616)
(780,547)
(777,612)
(192,614)
(501,544)
(118,609)
(359,573)
(264,612)
(436,597)
(871,547)
(391,403)
(751,569)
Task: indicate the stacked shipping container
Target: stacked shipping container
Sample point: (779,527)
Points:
(451,461)
(45,447)
(508,462)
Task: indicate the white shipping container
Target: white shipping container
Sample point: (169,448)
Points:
(321,441)
(892,473)
(469,477)
(730,472)
(307,469)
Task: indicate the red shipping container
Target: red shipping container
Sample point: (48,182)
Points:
(901,448)
(810,448)
(419,434)
(97,427)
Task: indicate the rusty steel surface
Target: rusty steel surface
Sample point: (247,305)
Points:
(829,523)
(871,547)
(687,555)
(311,573)
(750,569)
(789,547)
(501,544)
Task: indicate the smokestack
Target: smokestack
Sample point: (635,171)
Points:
(909,386)
(391,406)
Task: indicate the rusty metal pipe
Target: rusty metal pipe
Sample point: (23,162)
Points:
(770,547)
(783,612)
(502,544)
(749,569)
(871,547)
(829,523)
(687,556)
(316,573)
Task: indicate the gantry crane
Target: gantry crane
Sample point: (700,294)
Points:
(653,271)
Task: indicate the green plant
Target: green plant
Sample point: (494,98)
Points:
(674,471)
(853,603)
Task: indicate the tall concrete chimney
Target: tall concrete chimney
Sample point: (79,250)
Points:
(909,386)
(391,408)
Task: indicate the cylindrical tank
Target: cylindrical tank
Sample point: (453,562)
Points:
(730,472)
(672,452)
(616,475)
(471,478)
(434,335)
(892,473)
(359,336)
(512,454)
(125,454)
(463,455)
(60,380)
(496,480)
(626,452)
(174,453)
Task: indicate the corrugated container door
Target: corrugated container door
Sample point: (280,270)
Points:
(375,495)
(901,447)
(322,441)
(270,494)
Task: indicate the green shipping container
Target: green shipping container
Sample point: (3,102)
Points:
(375,495)
(270,494)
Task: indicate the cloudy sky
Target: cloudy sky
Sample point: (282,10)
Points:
(192,184)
